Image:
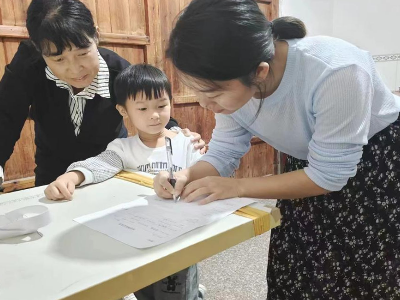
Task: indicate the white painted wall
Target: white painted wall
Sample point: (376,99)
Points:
(373,25)
(316,14)
(370,24)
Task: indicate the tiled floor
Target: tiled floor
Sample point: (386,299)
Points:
(238,273)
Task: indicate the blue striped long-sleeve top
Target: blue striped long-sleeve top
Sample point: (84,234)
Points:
(330,102)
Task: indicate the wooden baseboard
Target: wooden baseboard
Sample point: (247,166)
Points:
(20,32)
(18,184)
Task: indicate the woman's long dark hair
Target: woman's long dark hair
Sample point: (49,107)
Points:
(219,40)
(61,22)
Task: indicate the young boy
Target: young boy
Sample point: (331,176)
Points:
(144,96)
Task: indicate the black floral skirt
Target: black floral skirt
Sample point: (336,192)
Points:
(344,245)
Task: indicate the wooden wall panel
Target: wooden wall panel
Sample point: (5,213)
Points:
(259,161)
(20,9)
(169,10)
(7,12)
(119,15)
(21,164)
(271,10)
(103,15)
(137,17)
(133,54)
(2,58)
(10,48)
(116,16)
(169,13)
(91,4)
(153,51)
(196,118)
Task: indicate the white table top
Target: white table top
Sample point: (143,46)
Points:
(74,262)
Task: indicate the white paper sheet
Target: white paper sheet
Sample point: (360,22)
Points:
(151,221)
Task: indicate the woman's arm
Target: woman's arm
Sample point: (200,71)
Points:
(292,185)
(342,108)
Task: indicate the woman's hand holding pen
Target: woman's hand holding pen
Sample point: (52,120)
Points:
(211,187)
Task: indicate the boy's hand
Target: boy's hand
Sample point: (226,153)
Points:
(196,140)
(64,186)
(164,189)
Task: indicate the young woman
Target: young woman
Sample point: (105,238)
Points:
(64,81)
(321,101)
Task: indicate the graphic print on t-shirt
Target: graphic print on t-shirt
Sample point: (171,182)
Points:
(155,167)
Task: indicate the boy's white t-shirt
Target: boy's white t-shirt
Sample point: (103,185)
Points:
(136,155)
(132,153)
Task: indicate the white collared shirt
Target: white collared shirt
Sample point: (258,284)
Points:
(77,103)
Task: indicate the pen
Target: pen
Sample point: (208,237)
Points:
(171,179)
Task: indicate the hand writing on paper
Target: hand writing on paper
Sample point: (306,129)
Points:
(164,189)
(213,187)
(64,187)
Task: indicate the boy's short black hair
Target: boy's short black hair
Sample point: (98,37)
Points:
(61,22)
(141,78)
